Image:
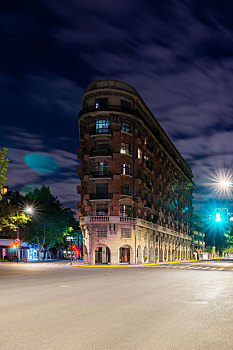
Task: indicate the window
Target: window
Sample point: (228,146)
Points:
(125,105)
(101,209)
(126,127)
(102,126)
(125,233)
(139,173)
(101,231)
(101,103)
(125,210)
(101,167)
(125,189)
(125,148)
(145,196)
(101,188)
(125,169)
(139,194)
(139,154)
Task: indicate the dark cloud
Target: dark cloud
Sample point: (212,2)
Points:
(177,54)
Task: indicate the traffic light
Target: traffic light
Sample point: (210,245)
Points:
(221,215)
(15,245)
(218,217)
(73,247)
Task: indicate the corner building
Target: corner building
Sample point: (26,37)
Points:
(136,189)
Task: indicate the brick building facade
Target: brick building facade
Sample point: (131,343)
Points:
(136,189)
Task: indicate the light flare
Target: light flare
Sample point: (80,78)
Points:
(222,183)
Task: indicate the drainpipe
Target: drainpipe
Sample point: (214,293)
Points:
(133,161)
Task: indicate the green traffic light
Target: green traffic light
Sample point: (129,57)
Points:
(218,217)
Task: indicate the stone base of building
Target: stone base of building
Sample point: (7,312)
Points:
(123,240)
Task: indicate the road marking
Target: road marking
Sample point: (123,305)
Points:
(220,269)
(204,268)
(199,302)
(64,286)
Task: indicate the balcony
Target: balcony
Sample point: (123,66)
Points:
(95,196)
(149,165)
(100,174)
(101,151)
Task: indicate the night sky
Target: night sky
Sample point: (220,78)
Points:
(177,54)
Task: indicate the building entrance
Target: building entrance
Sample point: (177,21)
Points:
(102,255)
(124,255)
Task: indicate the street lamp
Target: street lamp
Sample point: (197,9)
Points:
(27,210)
(223,182)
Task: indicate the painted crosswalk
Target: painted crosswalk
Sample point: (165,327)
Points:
(191,267)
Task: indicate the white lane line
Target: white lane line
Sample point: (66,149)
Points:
(205,268)
(197,268)
(220,269)
(190,267)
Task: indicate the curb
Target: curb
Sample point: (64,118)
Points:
(144,265)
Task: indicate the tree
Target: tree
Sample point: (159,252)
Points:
(229,235)
(8,219)
(48,227)
(3,169)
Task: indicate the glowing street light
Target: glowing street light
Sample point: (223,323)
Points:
(222,182)
(27,210)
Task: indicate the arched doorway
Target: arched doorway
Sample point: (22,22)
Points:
(124,254)
(102,255)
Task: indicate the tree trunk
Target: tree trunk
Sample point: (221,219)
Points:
(39,247)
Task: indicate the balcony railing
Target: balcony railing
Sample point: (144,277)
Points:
(127,219)
(98,174)
(101,150)
(100,196)
(102,131)
(106,108)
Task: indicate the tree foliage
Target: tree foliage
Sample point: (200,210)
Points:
(3,169)
(8,219)
(229,236)
(51,221)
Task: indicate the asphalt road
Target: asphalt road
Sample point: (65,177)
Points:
(167,307)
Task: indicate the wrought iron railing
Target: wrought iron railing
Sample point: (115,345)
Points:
(97,174)
(100,195)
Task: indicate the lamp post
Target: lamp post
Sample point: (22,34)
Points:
(27,210)
(70,239)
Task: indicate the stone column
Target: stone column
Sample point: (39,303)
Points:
(114,258)
(132,256)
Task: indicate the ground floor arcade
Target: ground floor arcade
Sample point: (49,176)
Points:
(132,242)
